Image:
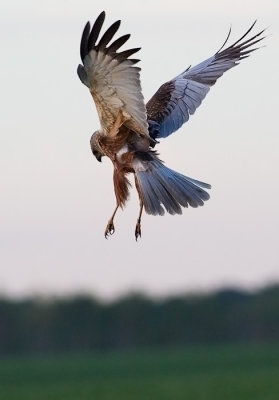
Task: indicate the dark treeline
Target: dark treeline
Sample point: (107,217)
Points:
(83,323)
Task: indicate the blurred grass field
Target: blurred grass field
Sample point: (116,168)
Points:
(197,373)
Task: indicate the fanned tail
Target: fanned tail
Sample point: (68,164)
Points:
(165,189)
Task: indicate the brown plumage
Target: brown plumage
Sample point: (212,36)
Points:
(130,129)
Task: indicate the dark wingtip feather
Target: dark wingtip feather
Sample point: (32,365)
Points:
(226,40)
(89,39)
(134,60)
(108,35)
(123,55)
(246,33)
(242,47)
(84,41)
(82,75)
(95,31)
(118,43)
(238,45)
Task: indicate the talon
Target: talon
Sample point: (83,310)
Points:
(138,231)
(109,229)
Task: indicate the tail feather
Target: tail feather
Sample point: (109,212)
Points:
(148,195)
(161,186)
(165,195)
(177,185)
(197,195)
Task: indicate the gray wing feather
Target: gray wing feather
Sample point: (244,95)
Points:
(179,98)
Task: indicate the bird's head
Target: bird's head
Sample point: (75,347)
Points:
(95,146)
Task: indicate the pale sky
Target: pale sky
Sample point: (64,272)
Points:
(56,199)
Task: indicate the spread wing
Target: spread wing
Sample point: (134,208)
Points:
(176,100)
(112,78)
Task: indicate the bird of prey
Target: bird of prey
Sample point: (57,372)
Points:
(130,129)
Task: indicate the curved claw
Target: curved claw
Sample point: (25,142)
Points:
(109,229)
(138,231)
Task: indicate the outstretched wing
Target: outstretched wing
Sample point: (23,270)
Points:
(176,100)
(112,78)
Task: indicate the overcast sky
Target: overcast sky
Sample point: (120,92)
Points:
(56,199)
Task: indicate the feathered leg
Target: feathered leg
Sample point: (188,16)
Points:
(121,189)
(138,225)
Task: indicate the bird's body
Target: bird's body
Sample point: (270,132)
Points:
(130,129)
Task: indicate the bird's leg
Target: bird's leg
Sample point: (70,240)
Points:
(110,225)
(138,225)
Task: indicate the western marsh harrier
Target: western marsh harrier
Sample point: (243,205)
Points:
(130,128)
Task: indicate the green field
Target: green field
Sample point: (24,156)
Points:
(201,373)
